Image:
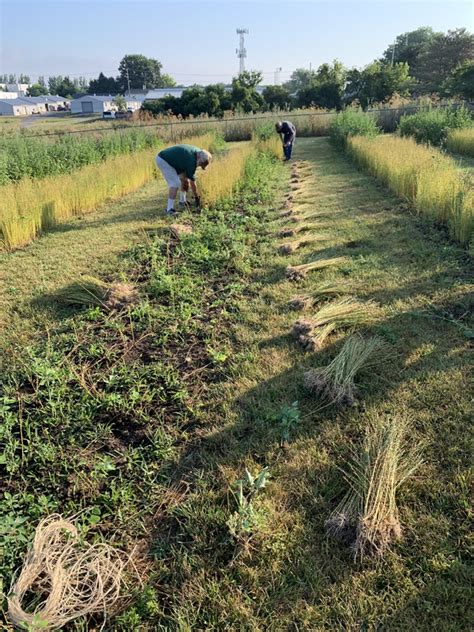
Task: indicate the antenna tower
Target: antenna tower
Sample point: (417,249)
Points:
(241,51)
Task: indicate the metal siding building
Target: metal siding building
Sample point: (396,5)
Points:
(92,104)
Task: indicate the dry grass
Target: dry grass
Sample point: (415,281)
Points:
(341,313)
(178,230)
(68,577)
(422,175)
(335,382)
(461,141)
(94,292)
(367,518)
(295,273)
(220,179)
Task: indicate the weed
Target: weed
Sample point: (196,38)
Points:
(246,519)
(287,421)
(461,141)
(433,127)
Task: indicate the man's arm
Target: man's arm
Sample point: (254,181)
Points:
(195,192)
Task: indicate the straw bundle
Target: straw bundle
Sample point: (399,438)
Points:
(295,273)
(91,291)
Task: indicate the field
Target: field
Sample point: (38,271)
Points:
(275,426)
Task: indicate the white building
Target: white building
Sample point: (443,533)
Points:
(25,106)
(160,93)
(19,88)
(8,95)
(18,107)
(92,104)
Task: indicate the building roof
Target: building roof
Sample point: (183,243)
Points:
(159,93)
(94,97)
(17,101)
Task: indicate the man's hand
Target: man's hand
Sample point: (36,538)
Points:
(184,184)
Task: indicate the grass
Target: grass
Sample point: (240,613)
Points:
(461,141)
(156,430)
(421,175)
(32,206)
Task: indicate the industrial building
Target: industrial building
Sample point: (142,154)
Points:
(92,104)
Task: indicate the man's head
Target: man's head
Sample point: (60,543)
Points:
(204,158)
(278,126)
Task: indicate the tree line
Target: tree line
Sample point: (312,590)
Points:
(418,62)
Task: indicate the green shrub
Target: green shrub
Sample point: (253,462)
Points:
(433,126)
(351,123)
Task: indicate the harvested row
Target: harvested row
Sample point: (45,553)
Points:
(367,518)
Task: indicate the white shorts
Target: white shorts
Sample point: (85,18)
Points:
(169,173)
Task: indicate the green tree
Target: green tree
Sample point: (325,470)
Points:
(104,85)
(167,81)
(244,95)
(277,97)
(300,78)
(326,87)
(461,82)
(42,83)
(35,90)
(24,78)
(442,56)
(409,46)
(62,86)
(376,82)
(141,71)
(120,103)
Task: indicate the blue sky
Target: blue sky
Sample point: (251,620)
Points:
(196,41)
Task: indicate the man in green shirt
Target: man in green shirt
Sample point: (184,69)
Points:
(178,165)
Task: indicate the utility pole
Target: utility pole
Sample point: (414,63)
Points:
(277,75)
(128,81)
(241,52)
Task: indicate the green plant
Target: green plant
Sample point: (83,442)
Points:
(287,420)
(246,519)
(351,123)
(433,126)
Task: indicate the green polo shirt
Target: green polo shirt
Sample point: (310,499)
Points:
(182,158)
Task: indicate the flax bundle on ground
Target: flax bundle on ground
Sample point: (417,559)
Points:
(70,578)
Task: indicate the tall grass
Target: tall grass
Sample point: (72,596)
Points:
(219,180)
(461,141)
(422,175)
(30,206)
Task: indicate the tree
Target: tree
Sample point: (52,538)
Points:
(244,95)
(62,86)
(461,82)
(35,90)
(409,46)
(103,85)
(24,79)
(325,88)
(277,97)
(442,56)
(120,103)
(167,81)
(42,83)
(300,78)
(140,71)
(376,82)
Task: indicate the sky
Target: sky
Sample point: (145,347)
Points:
(196,41)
